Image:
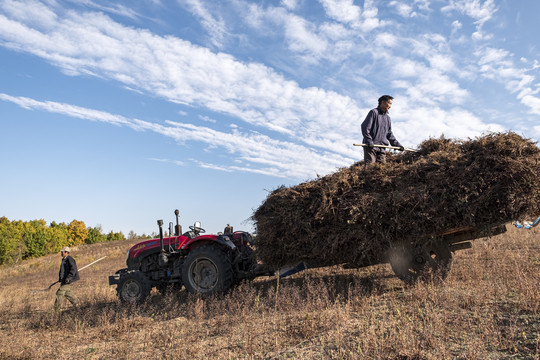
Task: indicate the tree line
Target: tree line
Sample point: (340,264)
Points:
(20,240)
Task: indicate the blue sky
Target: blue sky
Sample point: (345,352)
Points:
(116,113)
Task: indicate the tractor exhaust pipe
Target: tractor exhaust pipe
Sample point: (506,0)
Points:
(177,228)
(160,224)
(170,236)
(162,259)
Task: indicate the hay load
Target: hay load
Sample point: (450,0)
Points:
(358,212)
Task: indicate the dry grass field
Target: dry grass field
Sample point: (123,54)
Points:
(488,308)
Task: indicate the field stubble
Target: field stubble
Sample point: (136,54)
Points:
(488,308)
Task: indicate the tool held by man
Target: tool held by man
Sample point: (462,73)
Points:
(56,282)
(387,147)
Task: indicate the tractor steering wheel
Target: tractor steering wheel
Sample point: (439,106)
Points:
(196,229)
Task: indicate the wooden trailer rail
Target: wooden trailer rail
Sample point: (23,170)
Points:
(458,238)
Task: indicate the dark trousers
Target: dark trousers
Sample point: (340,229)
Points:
(64,291)
(373,154)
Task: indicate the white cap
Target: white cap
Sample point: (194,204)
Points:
(65,249)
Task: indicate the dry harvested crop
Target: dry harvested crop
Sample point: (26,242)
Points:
(354,214)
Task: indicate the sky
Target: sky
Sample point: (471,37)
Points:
(117,113)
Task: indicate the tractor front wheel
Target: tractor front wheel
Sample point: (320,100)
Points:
(133,287)
(207,270)
(430,261)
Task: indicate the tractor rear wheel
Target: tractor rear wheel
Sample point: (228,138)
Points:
(207,270)
(431,261)
(133,287)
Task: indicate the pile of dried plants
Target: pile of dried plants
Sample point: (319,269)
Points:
(357,212)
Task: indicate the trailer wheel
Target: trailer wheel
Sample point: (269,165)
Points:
(207,270)
(133,287)
(431,261)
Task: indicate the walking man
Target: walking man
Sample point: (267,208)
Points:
(377,130)
(68,274)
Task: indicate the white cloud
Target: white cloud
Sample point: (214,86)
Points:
(158,159)
(303,37)
(386,39)
(334,31)
(263,154)
(70,110)
(443,63)
(214,26)
(419,123)
(181,72)
(312,42)
(433,87)
(456,26)
(404,10)
(480,11)
(370,20)
(290,4)
(211,166)
(533,102)
(498,65)
(312,122)
(423,4)
(331,40)
(207,119)
(406,68)
(480,35)
(536,132)
(491,55)
(342,10)
(33,11)
(427,76)
(117,9)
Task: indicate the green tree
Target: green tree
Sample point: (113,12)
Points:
(59,236)
(11,245)
(78,233)
(112,236)
(35,237)
(22,240)
(132,235)
(95,235)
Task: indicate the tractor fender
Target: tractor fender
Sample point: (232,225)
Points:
(226,241)
(222,240)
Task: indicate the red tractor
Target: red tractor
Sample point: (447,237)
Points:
(204,264)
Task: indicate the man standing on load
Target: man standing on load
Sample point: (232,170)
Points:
(377,130)
(67,275)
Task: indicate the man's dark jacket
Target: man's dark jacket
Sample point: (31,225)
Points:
(377,129)
(68,271)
